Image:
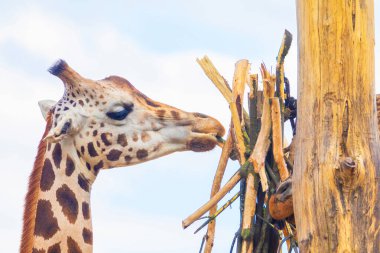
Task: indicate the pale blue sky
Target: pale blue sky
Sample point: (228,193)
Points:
(154,44)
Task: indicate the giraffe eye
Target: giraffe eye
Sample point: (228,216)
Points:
(120,112)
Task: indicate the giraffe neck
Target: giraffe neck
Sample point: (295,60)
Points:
(57,212)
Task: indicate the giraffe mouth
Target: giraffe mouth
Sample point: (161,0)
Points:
(203,142)
(206,131)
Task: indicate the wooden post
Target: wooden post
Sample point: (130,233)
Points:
(336,171)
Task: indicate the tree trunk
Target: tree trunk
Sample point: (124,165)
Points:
(335,182)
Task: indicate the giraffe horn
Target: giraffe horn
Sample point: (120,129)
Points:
(64,72)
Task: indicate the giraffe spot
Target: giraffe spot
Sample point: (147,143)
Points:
(141,154)
(160,113)
(175,115)
(86,210)
(145,137)
(102,124)
(66,108)
(87,100)
(122,140)
(72,246)
(114,155)
(94,133)
(47,176)
(101,96)
(80,102)
(150,102)
(127,158)
(70,166)
(91,149)
(83,183)
(38,250)
(82,150)
(135,137)
(98,144)
(87,236)
(55,248)
(49,146)
(97,167)
(130,149)
(78,153)
(67,200)
(157,147)
(57,155)
(46,225)
(105,138)
(88,166)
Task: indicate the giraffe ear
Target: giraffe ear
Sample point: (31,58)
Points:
(45,106)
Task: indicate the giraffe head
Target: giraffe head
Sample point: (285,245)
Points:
(110,123)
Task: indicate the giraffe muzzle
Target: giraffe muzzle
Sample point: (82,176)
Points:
(206,132)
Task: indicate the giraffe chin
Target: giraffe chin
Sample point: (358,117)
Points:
(202,144)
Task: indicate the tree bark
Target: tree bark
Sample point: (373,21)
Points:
(336,171)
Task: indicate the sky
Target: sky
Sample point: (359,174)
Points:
(153,44)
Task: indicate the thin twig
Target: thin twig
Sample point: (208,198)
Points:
(217,197)
(203,242)
(233,241)
(216,214)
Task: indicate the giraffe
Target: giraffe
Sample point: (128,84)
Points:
(97,125)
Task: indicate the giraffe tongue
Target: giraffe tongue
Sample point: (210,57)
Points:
(201,144)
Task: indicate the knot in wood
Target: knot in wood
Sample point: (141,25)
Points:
(347,174)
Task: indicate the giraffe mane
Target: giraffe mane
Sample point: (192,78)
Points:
(31,197)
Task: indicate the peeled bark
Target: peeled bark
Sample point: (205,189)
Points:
(335,186)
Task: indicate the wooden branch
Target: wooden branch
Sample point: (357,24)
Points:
(216,214)
(249,212)
(260,150)
(277,139)
(223,160)
(285,45)
(268,81)
(257,159)
(219,81)
(217,197)
(240,79)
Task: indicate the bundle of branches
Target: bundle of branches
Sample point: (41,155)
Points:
(255,138)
